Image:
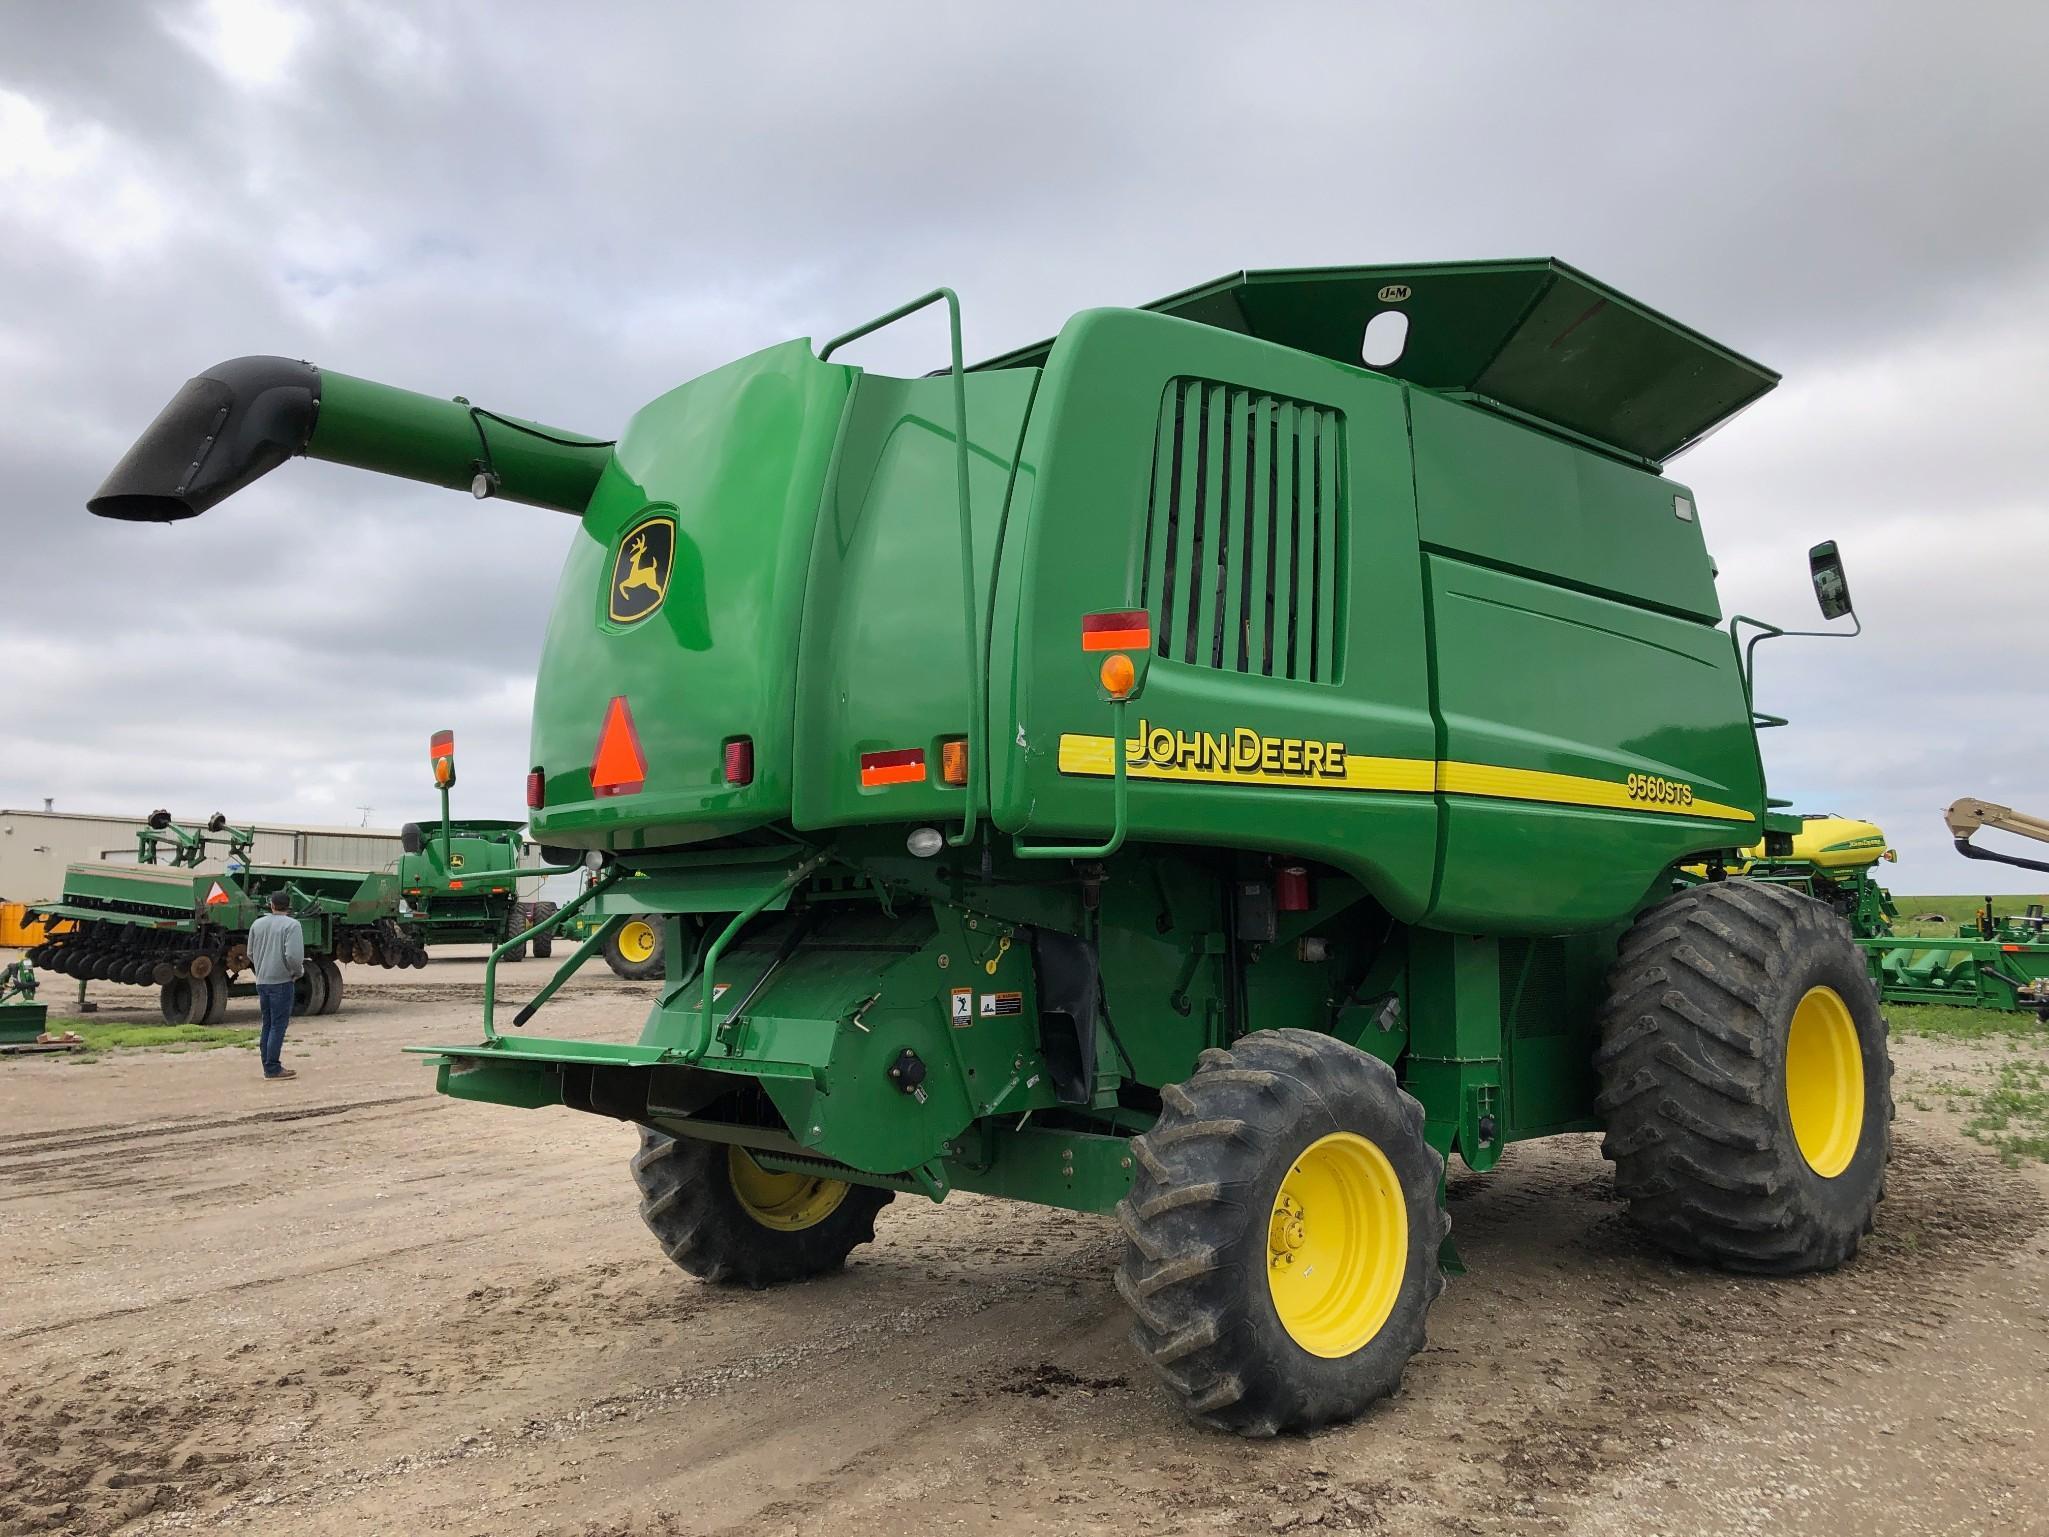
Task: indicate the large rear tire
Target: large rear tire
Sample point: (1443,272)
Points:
(1745,1079)
(544,946)
(1284,1228)
(723,1217)
(634,949)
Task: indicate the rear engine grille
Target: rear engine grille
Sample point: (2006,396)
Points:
(1244,534)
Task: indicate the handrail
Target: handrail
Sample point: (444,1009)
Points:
(547,925)
(977,733)
(1746,668)
(1120,804)
(692,1054)
(568,968)
(1768,631)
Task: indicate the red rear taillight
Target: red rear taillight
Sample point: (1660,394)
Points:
(1124,630)
(536,790)
(740,761)
(897,766)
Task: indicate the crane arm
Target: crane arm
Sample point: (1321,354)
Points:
(1966,816)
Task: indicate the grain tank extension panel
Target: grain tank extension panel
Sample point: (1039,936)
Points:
(1537,340)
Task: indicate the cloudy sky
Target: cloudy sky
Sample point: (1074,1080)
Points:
(561,211)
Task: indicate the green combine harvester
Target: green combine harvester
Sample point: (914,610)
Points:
(459,880)
(1210,767)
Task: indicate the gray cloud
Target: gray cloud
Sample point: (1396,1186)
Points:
(564,210)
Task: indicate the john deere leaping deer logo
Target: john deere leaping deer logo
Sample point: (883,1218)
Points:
(640,571)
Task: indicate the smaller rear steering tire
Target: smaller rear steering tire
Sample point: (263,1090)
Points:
(724,1218)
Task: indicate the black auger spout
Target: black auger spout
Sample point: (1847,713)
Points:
(243,418)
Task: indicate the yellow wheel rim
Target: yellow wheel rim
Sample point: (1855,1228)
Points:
(785,1201)
(1825,1081)
(1337,1245)
(636,940)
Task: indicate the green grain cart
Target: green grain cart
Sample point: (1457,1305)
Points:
(1211,767)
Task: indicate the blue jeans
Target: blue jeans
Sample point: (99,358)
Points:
(275,999)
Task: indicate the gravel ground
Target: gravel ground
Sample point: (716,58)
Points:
(345,1305)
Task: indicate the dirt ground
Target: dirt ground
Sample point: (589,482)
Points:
(345,1305)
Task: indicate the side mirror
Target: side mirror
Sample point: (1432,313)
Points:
(1831,587)
(411,839)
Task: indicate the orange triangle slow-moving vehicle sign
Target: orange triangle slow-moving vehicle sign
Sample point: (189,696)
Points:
(216,895)
(618,767)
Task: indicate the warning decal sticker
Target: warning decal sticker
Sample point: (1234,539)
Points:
(995,1004)
(963,1007)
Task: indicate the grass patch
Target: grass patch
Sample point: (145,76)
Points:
(1949,1022)
(2011,1115)
(2006,1104)
(115,1037)
(1951,911)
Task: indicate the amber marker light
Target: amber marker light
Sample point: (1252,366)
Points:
(441,750)
(953,761)
(1119,677)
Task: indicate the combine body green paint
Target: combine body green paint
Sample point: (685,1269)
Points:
(1427,702)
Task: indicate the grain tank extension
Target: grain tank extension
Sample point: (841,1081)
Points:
(1178,769)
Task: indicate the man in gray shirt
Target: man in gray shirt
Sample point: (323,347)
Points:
(277,955)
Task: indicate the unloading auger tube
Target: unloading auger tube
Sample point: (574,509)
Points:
(243,418)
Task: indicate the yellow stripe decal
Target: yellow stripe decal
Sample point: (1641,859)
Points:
(1091,756)
(1574,790)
